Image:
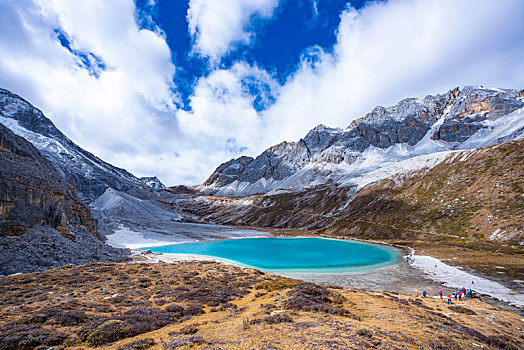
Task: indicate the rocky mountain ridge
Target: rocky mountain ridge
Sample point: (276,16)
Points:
(33,192)
(472,195)
(410,129)
(89,175)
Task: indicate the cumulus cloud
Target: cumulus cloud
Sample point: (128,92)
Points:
(108,84)
(396,49)
(223,115)
(218,26)
(121,112)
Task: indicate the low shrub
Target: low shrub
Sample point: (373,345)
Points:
(186,342)
(211,297)
(193,310)
(277,285)
(57,315)
(312,297)
(108,332)
(16,337)
(175,309)
(273,319)
(130,323)
(140,344)
(462,310)
(189,329)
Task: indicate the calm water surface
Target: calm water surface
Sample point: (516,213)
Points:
(277,254)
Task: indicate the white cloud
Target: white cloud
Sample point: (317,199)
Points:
(222,117)
(121,116)
(385,52)
(218,26)
(396,49)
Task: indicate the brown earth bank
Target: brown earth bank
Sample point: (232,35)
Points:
(207,305)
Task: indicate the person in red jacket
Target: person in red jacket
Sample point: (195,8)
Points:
(449,299)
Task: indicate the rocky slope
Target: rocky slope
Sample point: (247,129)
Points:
(43,222)
(413,129)
(89,175)
(32,191)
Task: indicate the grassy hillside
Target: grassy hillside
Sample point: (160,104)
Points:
(215,306)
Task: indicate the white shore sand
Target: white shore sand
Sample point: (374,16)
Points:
(453,277)
(401,277)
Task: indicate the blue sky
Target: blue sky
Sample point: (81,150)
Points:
(173,88)
(279,45)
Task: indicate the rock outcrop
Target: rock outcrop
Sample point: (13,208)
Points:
(153,182)
(44,223)
(33,193)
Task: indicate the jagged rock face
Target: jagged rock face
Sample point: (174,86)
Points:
(450,119)
(89,175)
(33,193)
(231,169)
(471,107)
(153,182)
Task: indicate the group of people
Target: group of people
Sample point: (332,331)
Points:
(468,293)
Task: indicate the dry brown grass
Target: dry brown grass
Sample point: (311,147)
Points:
(114,306)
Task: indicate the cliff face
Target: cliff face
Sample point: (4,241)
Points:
(411,128)
(43,223)
(32,192)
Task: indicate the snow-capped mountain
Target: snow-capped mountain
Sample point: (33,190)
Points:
(153,182)
(90,175)
(410,135)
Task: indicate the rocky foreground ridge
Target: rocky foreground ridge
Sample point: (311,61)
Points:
(458,119)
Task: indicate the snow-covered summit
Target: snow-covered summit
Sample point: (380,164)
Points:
(411,134)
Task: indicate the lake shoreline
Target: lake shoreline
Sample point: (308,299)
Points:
(398,277)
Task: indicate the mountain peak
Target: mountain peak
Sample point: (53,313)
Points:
(90,175)
(153,182)
(408,129)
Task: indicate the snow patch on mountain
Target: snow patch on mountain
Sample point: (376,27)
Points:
(510,127)
(39,141)
(153,182)
(410,136)
(90,175)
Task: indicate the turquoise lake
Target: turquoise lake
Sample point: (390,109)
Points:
(278,254)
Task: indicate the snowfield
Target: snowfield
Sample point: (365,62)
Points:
(455,278)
